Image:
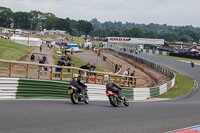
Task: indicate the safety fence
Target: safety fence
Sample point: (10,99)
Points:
(19,88)
(17,69)
(145,93)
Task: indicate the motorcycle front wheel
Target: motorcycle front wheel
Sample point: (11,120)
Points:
(86,99)
(126,103)
(74,98)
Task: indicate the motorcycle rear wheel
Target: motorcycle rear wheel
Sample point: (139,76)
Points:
(113,101)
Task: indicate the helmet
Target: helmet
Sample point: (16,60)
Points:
(75,76)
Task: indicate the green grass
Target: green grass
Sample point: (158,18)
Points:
(78,40)
(12,51)
(182,87)
(176,58)
(97,43)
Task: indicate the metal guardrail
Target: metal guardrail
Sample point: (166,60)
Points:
(19,69)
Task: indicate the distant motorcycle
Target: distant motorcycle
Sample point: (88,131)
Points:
(115,100)
(76,95)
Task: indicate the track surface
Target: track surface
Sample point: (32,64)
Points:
(99,117)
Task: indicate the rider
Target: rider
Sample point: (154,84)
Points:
(76,82)
(111,86)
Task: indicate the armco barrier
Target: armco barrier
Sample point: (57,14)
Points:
(145,93)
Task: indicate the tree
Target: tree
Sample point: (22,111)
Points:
(6,15)
(115,33)
(36,19)
(135,32)
(84,27)
(22,20)
(50,21)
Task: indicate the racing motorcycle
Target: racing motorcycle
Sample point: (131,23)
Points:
(115,100)
(76,95)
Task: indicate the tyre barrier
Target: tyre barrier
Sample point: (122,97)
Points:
(16,88)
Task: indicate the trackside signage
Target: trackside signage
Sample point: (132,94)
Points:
(135,40)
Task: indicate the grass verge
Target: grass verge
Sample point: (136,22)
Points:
(176,58)
(12,51)
(97,43)
(182,87)
(77,40)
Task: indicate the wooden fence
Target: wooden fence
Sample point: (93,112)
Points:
(18,69)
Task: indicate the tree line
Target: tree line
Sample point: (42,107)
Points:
(167,32)
(36,20)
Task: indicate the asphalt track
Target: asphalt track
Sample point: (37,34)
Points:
(43,116)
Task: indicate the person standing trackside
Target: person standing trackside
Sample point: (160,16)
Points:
(126,73)
(32,57)
(40,48)
(192,64)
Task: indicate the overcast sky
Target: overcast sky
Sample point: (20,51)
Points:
(171,12)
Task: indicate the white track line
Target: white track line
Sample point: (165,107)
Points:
(183,129)
(187,62)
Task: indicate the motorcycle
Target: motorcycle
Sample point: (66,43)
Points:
(76,95)
(115,100)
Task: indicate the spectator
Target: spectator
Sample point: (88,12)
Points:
(116,68)
(92,68)
(192,64)
(32,57)
(40,48)
(126,73)
(87,67)
(44,59)
(136,51)
(69,64)
(61,62)
(38,59)
(132,74)
(41,61)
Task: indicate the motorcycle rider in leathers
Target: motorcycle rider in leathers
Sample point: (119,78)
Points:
(76,82)
(111,86)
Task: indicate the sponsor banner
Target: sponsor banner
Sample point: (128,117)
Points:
(136,40)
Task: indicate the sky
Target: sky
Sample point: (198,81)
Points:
(170,12)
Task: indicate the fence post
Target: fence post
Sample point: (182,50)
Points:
(51,73)
(38,72)
(61,74)
(88,76)
(134,82)
(95,78)
(103,79)
(10,69)
(27,71)
(72,72)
